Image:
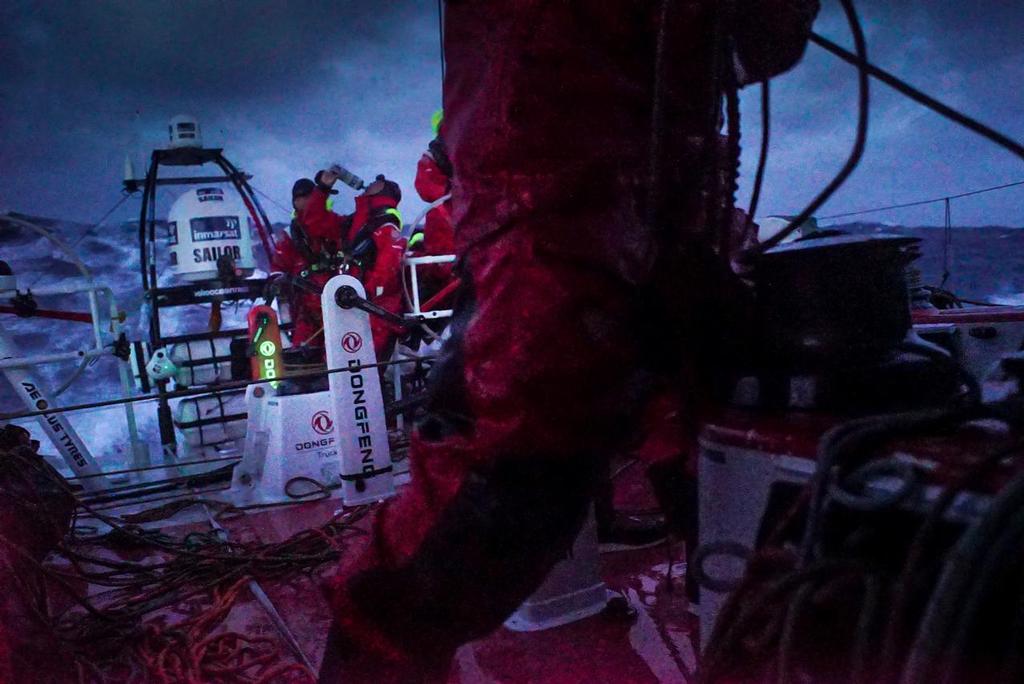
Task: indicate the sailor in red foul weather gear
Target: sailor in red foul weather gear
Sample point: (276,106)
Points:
(437,237)
(309,255)
(374,248)
(321,244)
(582,217)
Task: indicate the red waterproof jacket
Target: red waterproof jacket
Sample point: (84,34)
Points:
(286,257)
(375,243)
(433,181)
(315,233)
(324,228)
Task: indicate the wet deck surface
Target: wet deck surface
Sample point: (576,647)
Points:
(652,645)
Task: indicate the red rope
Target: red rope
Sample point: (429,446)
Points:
(189,652)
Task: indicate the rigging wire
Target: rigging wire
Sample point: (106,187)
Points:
(867,69)
(863,106)
(919,203)
(88,231)
(84,234)
(83,269)
(75,374)
(49,235)
(270,199)
(194,392)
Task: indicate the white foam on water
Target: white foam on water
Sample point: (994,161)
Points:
(1016,299)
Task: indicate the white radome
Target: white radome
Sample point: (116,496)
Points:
(205,224)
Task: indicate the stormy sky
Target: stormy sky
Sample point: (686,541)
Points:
(287,87)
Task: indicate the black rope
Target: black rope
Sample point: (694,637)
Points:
(762,160)
(919,97)
(440,33)
(863,106)
(732,166)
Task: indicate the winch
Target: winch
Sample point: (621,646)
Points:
(834,333)
(837,344)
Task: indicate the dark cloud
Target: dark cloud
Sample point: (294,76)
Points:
(232,51)
(286,87)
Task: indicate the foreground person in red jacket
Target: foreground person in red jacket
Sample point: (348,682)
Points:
(587,253)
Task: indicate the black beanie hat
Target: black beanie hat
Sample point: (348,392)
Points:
(302,188)
(390,189)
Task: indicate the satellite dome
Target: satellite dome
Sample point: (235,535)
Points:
(204,226)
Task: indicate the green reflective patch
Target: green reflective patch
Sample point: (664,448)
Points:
(395,213)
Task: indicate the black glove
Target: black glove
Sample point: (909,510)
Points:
(323,186)
(276,282)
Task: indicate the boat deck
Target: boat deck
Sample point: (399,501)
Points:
(655,642)
(652,646)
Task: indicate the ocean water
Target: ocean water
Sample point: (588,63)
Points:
(112,255)
(986,263)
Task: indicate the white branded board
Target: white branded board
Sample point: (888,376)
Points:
(360,426)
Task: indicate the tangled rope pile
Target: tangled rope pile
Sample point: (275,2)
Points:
(190,653)
(882,584)
(120,634)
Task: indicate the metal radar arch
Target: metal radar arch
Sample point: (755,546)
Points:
(224,283)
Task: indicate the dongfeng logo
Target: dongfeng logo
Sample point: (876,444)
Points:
(267,348)
(322,423)
(351,342)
